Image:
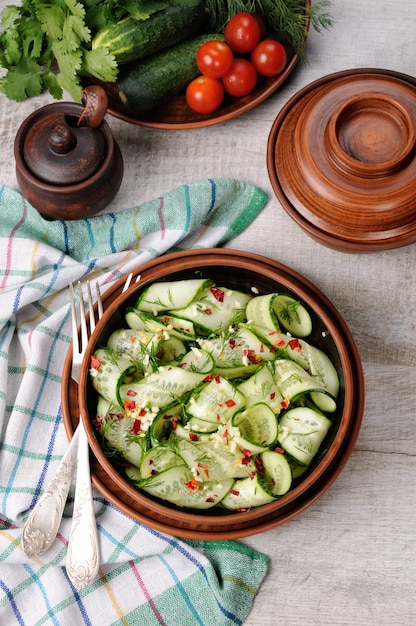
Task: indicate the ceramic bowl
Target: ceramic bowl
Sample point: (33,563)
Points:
(341,158)
(245,272)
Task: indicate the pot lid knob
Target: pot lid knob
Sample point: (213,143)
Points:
(65,148)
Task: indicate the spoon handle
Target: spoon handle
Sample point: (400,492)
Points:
(82,561)
(42,525)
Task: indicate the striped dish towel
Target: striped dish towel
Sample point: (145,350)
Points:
(146,577)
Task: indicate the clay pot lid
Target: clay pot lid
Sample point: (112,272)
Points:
(63,147)
(342,159)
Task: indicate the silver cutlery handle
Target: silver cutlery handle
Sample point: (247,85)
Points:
(43,522)
(82,557)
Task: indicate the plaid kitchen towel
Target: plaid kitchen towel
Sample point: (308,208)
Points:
(145,577)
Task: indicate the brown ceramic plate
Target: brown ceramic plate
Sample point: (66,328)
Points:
(177,115)
(342,161)
(236,270)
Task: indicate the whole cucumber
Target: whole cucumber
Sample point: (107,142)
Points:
(144,85)
(131,39)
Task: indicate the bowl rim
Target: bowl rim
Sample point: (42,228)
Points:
(319,478)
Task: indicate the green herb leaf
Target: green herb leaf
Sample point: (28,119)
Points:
(23,81)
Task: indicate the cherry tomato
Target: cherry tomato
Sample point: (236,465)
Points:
(214,58)
(269,57)
(243,32)
(241,78)
(204,94)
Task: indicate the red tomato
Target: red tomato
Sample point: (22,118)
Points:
(269,57)
(243,32)
(241,78)
(214,58)
(204,94)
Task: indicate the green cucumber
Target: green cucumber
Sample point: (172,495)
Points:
(262,387)
(131,39)
(301,432)
(144,85)
(160,388)
(140,320)
(175,294)
(110,374)
(215,402)
(293,381)
(246,494)
(277,473)
(257,425)
(197,360)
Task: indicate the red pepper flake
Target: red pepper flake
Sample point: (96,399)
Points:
(132,339)
(262,347)
(210,499)
(252,475)
(279,450)
(218,379)
(208,378)
(192,484)
(135,429)
(143,412)
(272,395)
(217,293)
(131,393)
(258,463)
(208,311)
(183,365)
(285,403)
(280,343)
(129,405)
(232,343)
(205,468)
(174,424)
(246,452)
(153,472)
(95,363)
(230,403)
(193,437)
(245,460)
(234,492)
(120,416)
(295,345)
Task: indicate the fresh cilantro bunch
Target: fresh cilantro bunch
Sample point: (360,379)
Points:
(46,44)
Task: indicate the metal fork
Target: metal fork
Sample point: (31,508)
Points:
(82,560)
(43,523)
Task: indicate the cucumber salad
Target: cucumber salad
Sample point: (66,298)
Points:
(213,397)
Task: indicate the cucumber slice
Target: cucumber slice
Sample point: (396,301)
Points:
(262,387)
(178,486)
(293,381)
(260,311)
(215,402)
(173,349)
(292,315)
(301,432)
(246,494)
(241,348)
(140,320)
(163,296)
(277,476)
(116,430)
(316,362)
(216,309)
(198,360)
(108,372)
(208,462)
(257,425)
(157,460)
(160,388)
(140,347)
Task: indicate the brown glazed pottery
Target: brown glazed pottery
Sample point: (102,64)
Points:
(68,165)
(246,272)
(341,158)
(177,115)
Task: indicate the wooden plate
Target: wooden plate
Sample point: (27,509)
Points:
(330,331)
(341,158)
(177,115)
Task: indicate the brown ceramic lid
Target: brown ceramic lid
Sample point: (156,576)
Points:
(342,160)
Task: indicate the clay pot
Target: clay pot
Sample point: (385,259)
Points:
(248,273)
(68,165)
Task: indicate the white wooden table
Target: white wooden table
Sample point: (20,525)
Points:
(349,559)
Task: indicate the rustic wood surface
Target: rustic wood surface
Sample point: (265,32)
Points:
(349,559)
